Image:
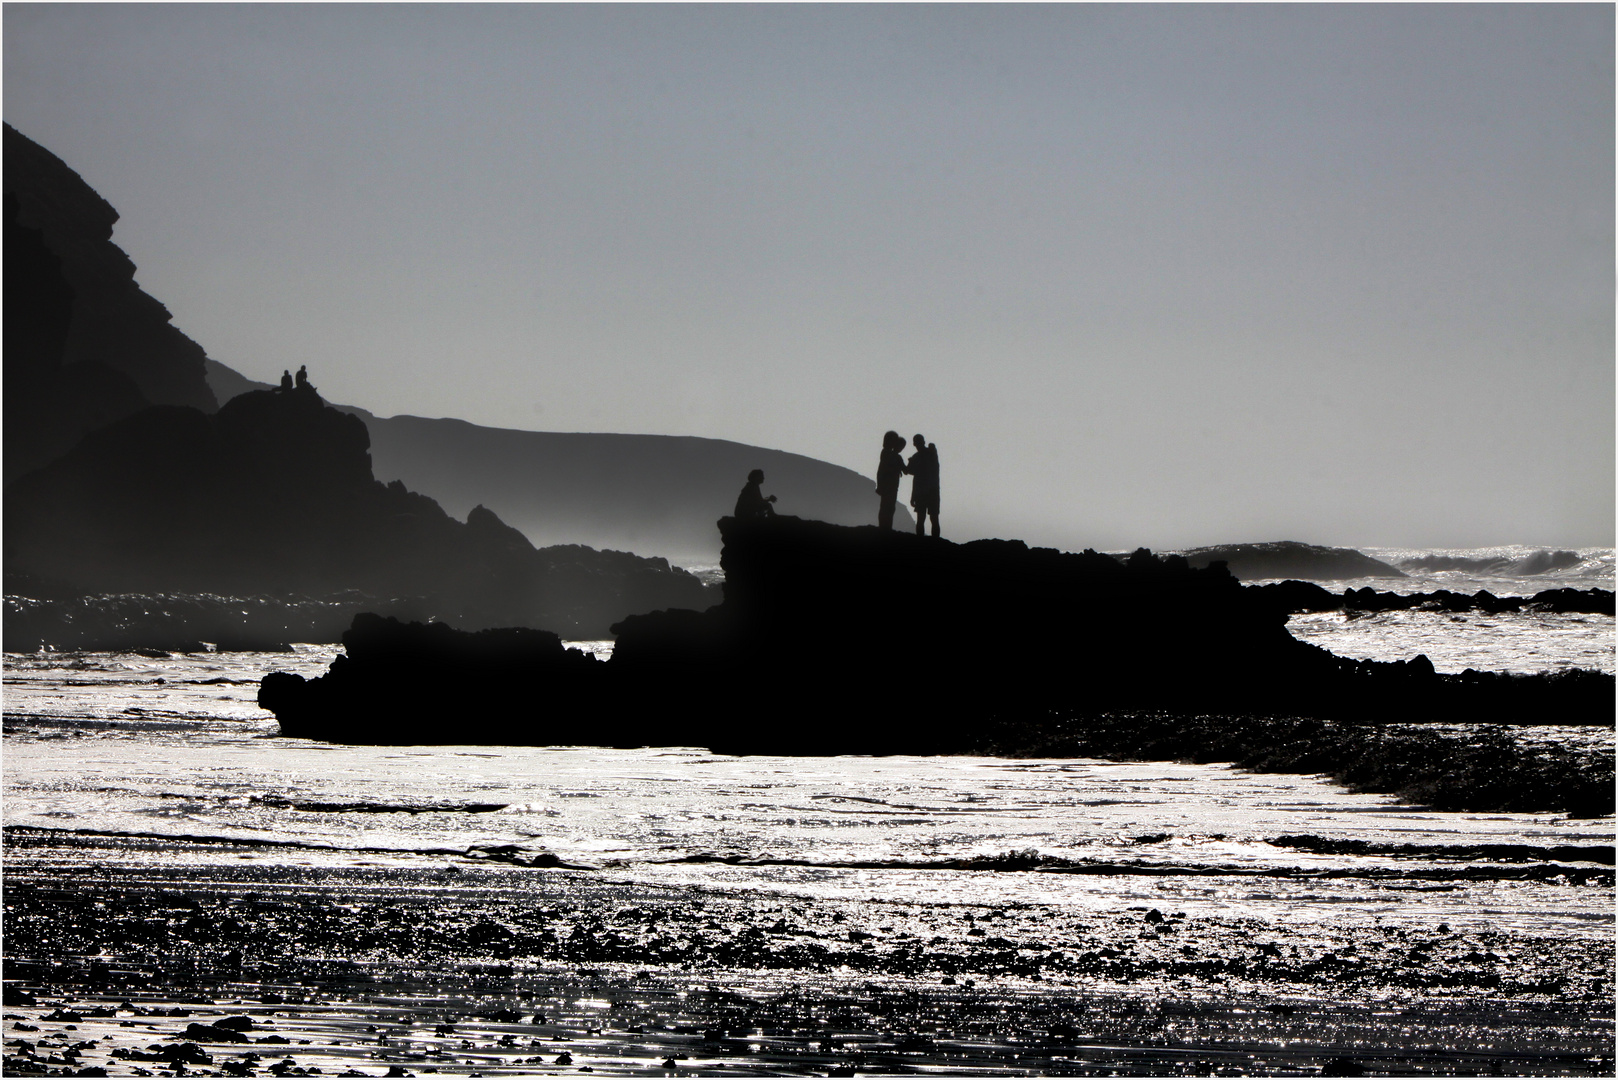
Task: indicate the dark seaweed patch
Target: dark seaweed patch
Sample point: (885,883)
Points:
(1506,853)
(1032,861)
(1485,771)
(312,806)
(503,853)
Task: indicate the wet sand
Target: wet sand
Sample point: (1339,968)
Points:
(122,960)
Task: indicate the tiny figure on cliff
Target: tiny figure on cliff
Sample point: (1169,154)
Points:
(303,377)
(286,381)
(888,471)
(923,470)
(752,504)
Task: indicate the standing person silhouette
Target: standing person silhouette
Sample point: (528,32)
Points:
(923,470)
(751,504)
(888,471)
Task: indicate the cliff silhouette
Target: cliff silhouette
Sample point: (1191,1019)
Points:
(274,494)
(655,494)
(850,640)
(128,486)
(49,404)
(84,344)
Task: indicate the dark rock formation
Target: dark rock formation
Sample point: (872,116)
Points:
(1290,559)
(85,316)
(650,493)
(1589,601)
(1566,601)
(119,481)
(274,495)
(839,640)
(1290,597)
(49,405)
(535,686)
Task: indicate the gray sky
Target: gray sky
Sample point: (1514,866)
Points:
(1151,275)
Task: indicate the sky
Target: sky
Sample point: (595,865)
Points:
(1147,275)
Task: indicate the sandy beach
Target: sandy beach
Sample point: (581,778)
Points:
(218,964)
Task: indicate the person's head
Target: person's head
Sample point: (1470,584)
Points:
(920,441)
(756,476)
(893,441)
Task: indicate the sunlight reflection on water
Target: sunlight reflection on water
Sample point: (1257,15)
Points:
(176,747)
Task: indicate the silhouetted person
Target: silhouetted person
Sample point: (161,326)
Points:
(286,381)
(888,471)
(303,377)
(923,470)
(752,504)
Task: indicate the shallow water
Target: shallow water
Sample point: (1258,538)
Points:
(175,747)
(1525,642)
(412,908)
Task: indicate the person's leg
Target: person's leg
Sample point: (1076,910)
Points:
(921,518)
(925,509)
(884,513)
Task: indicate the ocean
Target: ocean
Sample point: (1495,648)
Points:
(162,770)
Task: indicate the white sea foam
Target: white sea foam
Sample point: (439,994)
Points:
(1525,642)
(1509,570)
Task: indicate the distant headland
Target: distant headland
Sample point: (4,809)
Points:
(253,516)
(653,494)
(1291,559)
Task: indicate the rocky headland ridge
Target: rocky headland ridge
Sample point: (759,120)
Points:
(142,513)
(84,344)
(139,513)
(273,497)
(1296,596)
(652,494)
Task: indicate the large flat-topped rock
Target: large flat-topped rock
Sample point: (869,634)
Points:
(833,639)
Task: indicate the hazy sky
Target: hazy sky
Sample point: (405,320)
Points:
(1151,275)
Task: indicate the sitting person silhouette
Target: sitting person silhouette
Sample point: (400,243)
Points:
(752,504)
(303,377)
(923,470)
(286,381)
(888,471)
